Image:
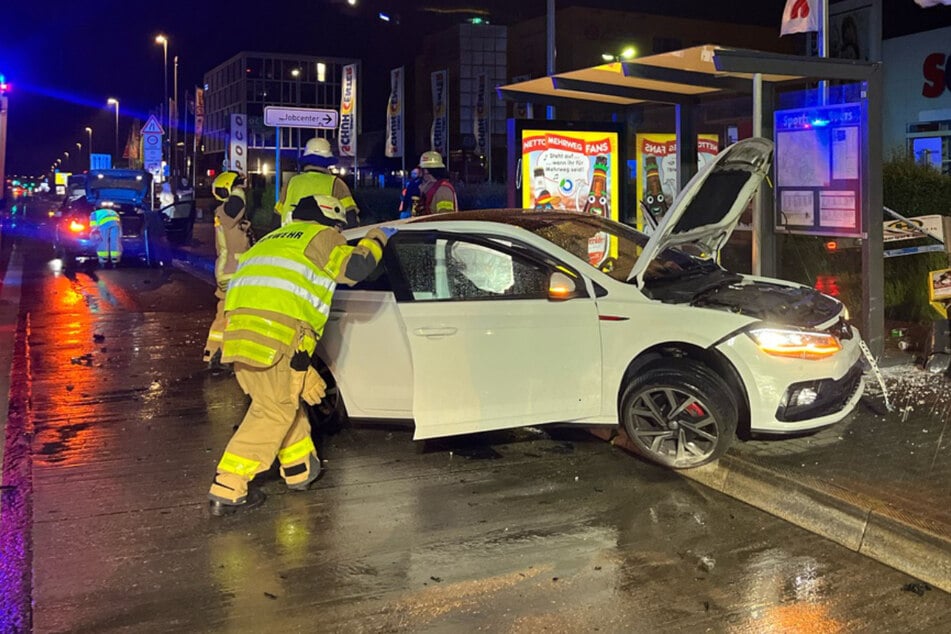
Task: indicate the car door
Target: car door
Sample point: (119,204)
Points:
(490,349)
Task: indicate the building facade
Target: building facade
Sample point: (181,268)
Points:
(917,106)
(249,81)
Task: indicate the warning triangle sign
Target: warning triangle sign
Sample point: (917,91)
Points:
(152,126)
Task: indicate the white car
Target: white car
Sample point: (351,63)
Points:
(487,320)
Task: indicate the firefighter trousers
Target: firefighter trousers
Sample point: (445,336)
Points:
(109,246)
(276,424)
(216,332)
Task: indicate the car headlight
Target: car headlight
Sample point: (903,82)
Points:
(799,344)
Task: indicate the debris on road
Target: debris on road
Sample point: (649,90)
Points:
(919,588)
(98,338)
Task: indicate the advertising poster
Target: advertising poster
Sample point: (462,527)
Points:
(439,133)
(199,114)
(394,115)
(572,170)
(348,111)
(657,173)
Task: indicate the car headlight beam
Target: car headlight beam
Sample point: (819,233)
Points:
(798,344)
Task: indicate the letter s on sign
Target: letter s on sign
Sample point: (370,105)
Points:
(935,74)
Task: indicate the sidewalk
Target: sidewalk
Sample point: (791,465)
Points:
(878,483)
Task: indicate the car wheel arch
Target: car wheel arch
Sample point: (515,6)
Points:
(712,359)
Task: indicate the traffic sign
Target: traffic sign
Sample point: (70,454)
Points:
(152,151)
(152,126)
(100,161)
(281,117)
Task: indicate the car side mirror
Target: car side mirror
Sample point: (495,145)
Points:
(561,287)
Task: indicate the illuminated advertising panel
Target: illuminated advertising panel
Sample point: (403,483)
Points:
(573,170)
(657,173)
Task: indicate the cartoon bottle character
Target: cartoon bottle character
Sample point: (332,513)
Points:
(598,202)
(543,198)
(655,202)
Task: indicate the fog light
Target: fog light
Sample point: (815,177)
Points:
(805,396)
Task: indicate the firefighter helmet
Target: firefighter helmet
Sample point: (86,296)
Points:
(330,208)
(225,182)
(431,159)
(318,147)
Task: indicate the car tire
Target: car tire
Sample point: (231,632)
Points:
(704,414)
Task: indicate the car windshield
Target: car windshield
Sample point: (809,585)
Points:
(611,247)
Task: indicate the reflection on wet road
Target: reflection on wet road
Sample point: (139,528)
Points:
(525,531)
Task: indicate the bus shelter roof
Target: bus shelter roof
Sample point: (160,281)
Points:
(681,76)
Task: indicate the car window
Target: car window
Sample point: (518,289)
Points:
(441,268)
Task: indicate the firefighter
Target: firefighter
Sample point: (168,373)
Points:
(315,180)
(276,307)
(233,236)
(438,194)
(105,227)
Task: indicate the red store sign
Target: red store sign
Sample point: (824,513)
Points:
(937,72)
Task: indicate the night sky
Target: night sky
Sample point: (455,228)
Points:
(64,59)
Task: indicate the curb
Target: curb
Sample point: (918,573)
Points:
(863,525)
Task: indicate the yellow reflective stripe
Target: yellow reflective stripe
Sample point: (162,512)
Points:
(216,335)
(373,246)
(230,463)
(283,333)
(251,350)
(300,449)
(280,265)
(308,344)
(273,286)
(445,204)
(335,261)
(348,202)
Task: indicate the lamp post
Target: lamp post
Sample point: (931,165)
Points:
(161,39)
(89,130)
(295,73)
(115,102)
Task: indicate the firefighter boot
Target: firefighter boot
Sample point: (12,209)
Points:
(225,500)
(299,477)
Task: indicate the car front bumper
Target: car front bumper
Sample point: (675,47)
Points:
(773,384)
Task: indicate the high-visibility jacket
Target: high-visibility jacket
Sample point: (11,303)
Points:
(279,299)
(232,235)
(101,217)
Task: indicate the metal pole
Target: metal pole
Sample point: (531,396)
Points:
(117,133)
(757,206)
(277,165)
(89,130)
(165,107)
(3,144)
(195,145)
(550,52)
(824,47)
(173,168)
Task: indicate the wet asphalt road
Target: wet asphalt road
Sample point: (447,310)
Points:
(120,428)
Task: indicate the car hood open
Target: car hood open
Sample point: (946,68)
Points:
(118,186)
(708,209)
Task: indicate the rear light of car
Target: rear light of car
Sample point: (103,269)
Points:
(76,227)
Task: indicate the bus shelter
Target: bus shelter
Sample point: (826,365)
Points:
(688,78)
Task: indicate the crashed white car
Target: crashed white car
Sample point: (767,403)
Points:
(487,320)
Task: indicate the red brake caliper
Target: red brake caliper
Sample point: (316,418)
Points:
(695,410)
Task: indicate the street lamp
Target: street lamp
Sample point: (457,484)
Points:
(89,130)
(161,39)
(115,102)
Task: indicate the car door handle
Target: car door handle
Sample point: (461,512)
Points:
(434,332)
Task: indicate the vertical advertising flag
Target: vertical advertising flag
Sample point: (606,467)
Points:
(480,119)
(439,133)
(238,145)
(346,138)
(657,181)
(394,114)
(199,114)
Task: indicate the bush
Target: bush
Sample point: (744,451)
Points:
(912,189)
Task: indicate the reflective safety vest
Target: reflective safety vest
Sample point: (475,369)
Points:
(275,276)
(304,185)
(101,217)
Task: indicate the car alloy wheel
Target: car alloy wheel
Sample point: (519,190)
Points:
(679,414)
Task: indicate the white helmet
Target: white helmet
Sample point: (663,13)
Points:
(332,208)
(431,159)
(318,147)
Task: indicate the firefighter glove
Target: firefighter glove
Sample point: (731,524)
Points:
(388,231)
(314,387)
